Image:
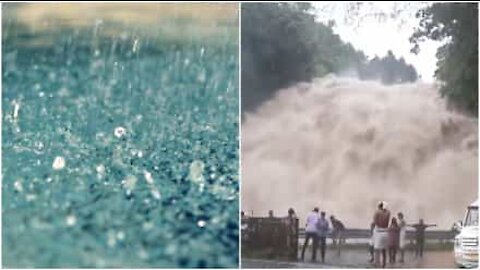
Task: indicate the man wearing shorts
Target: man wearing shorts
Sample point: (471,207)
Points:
(381,219)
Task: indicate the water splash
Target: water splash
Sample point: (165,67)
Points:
(343,145)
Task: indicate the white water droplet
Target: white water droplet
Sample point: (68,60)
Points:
(120,132)
(148,177)
(16,109)
(30,197)
(120,235)
(147,226)
(100,169)
(18,186)
(136,44)
(129,183)
(201,223)
(111,239)
(58,163)
(156,194)
(143,254)
(196,171)
(70,220)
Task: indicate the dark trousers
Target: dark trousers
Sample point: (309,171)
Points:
(392,254)
(419,245)
(314,237)
(323,244)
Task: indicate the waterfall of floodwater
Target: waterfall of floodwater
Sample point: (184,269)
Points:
(344,144)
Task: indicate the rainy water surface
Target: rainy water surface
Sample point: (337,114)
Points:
(120,135)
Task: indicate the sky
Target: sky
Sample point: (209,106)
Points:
(366,30)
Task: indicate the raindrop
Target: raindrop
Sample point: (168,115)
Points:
(100,169)
(120,235)
(16,109)
(143,254)
(147,225)
(129,183)
(148,177)
(196,171)
(201,223)
(18,186)
(70,220)
(156,194)
(135,45)
(111,239)
(120,132)
(30,197)
(39,146)
(58,163)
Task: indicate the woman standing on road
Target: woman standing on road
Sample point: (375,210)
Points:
(393,240)
(403,232)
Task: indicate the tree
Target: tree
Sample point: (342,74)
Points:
(457,67)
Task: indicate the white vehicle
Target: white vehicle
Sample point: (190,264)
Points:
(466,241)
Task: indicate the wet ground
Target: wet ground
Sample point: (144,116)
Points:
(119,147)
(357,258)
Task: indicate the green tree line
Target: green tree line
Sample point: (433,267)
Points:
(283,43)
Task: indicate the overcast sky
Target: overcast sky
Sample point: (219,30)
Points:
(375,35)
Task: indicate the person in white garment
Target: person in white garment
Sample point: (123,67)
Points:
(311,232)
(381,219)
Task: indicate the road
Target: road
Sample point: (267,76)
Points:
(357,258)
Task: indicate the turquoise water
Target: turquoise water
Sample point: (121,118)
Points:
(118,151)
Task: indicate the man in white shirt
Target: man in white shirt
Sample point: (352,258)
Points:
(311,232)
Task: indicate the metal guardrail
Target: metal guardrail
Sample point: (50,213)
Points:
(439,235)
(279,238)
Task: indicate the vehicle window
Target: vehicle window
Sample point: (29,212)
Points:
(472,217)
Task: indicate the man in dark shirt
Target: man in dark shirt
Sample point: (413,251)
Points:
(420,228)
(322,227)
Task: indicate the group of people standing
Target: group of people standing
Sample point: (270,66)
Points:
(389,236)
(317,229)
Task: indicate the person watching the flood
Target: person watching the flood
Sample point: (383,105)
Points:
(292,233)
(323,228)
(420,228)
(311,232)
(381,219)
(337,232)
(370,243)
(393,240)
(402,239)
